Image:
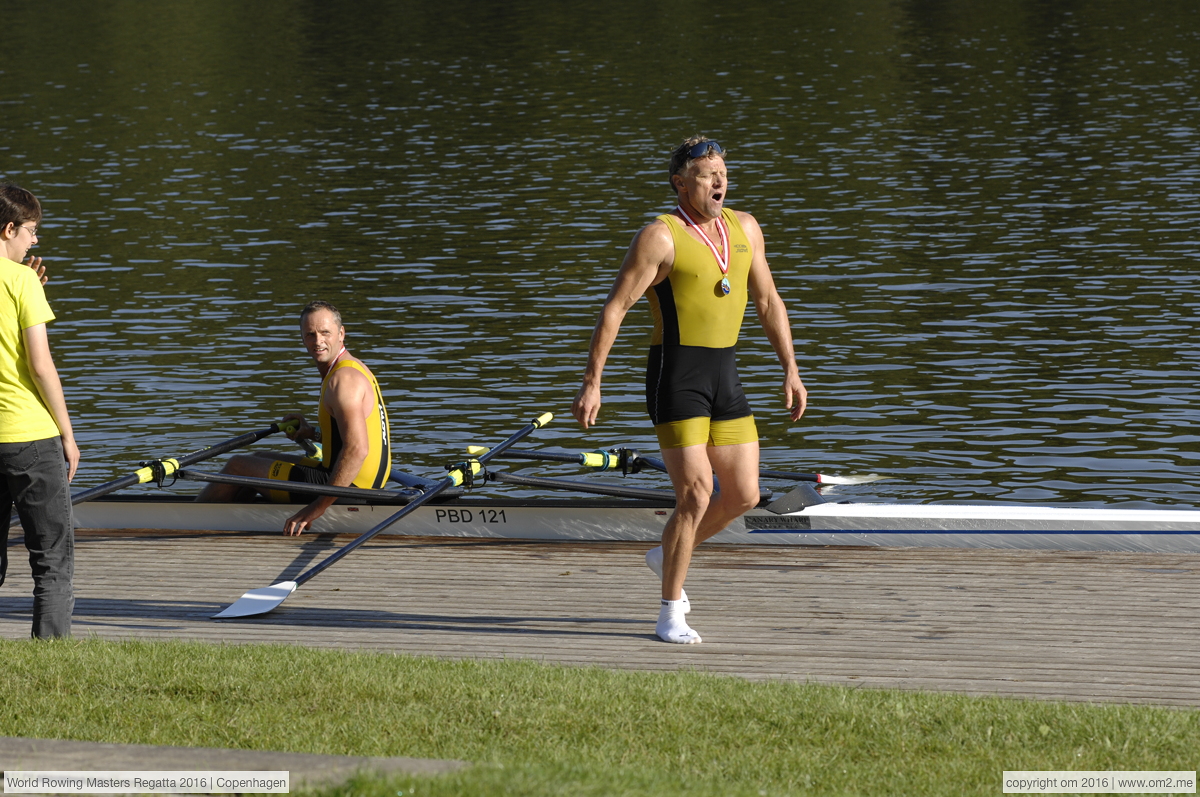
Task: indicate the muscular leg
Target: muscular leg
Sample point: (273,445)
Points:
(736,467)
(699,515)
(691,475)
(255,465)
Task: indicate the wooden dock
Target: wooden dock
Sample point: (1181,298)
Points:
(1102,627)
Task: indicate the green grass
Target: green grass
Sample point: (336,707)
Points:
(541,730)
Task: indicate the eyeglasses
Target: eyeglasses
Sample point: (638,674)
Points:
(703,148)
(32,230)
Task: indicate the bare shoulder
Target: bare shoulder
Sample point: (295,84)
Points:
(346,381)
(654,245)
(753,232)
(747,221)
(655,235)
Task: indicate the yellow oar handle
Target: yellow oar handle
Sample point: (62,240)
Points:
(604,460)
(601,460)
(289,426)
(150,473)
(465,472)
(458,473)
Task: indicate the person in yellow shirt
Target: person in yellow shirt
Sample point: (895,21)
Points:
(698,266)
(38,454)
(352,429)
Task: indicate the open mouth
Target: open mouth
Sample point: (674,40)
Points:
(717,196)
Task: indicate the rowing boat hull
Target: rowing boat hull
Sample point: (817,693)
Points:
(525,520)
(898,525)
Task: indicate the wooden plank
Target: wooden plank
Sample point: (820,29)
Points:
(1105,627)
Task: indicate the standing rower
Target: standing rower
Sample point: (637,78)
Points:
(698,266)
(352,428)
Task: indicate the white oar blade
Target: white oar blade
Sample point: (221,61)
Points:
(864,479)
(259,601)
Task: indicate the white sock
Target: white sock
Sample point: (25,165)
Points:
(672,627)
(654,558)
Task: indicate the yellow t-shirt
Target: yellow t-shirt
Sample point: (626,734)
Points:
(23,415)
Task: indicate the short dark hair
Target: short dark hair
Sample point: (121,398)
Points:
(18,206)
(319,304)
(680,158)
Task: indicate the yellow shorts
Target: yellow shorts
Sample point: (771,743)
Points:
(307,472)
(701,431)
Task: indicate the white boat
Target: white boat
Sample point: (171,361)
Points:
(798,518)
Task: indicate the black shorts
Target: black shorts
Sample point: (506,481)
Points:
(694,382)
(289,471)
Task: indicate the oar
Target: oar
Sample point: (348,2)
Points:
(820,478)
(598,488)
(157,469)
(628,458)
(261,601)
(601,460)
(262,485)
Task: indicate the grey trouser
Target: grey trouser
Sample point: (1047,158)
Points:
(34,477)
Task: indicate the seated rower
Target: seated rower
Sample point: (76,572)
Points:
(353,429)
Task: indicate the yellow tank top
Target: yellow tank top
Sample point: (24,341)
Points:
(688,306)
(378,465)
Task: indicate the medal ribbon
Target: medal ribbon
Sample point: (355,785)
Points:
(335,362)
(722,228)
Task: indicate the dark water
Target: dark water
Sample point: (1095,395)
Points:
(982,217)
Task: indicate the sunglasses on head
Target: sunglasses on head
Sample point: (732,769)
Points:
(703,148)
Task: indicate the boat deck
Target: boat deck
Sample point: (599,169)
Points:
(1103,627)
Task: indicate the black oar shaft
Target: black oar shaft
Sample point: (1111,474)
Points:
(228,445)
(598,460)
(382,496)
(367,535)
(550,456)
(659,465)
(796,477)
(145,474)
(593,459)
(650,462)
(599,488)
(453,480)
(105,489)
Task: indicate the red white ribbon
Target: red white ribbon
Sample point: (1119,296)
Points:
(722,228)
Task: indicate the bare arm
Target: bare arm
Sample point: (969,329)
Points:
(348,397)
(773,316)
(49,386)
(647,263)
